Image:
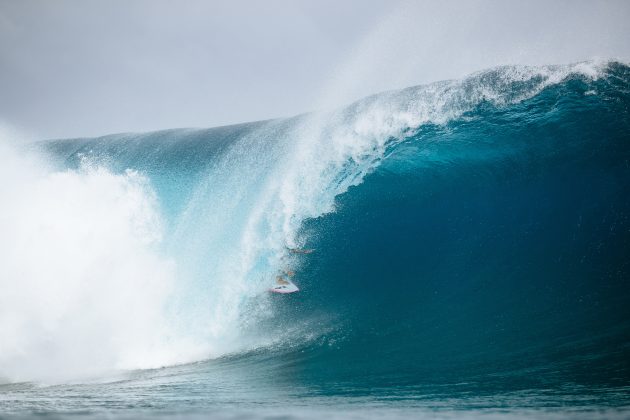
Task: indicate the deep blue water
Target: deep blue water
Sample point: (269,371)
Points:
(473,260)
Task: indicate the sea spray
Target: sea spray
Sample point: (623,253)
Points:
(84,286)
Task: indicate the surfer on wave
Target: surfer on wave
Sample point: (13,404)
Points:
(283,282)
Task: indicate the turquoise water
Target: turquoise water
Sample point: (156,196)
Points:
(472,244)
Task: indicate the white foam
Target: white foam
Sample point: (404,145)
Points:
(83,286)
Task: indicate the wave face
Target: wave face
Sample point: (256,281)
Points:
(472,239)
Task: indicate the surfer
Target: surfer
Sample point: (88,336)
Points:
(281,279)
(283,284)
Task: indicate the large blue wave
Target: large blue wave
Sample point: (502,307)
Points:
(490,252)
(471,233)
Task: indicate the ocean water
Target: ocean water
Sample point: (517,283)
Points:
(472,259)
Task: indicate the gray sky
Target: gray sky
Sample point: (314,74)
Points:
(85,67)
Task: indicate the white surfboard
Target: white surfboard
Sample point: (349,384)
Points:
(284,286)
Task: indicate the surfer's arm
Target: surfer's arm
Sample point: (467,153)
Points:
(300,251)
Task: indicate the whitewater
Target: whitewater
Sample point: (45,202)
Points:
(471,247)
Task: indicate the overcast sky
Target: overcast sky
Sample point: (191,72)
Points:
(85,67)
